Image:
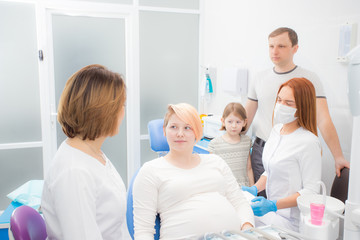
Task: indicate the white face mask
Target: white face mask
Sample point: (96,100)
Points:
(284,114)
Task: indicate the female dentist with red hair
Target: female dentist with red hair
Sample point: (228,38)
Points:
(291,158)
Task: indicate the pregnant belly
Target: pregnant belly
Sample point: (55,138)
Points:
(208,212)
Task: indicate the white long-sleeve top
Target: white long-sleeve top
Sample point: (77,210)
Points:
(190,202)
(83,199)
(292,164)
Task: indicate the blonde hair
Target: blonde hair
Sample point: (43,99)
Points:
(90,103)
(188,114)
(238,110)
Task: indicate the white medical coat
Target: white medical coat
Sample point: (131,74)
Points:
(292,164)
(83,199)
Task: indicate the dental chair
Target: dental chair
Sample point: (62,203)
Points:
(130,212)
(158,142)
(340,185)
(27,224)
(339,190)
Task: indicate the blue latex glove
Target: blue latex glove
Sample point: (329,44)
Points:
(253,190)
(262,206)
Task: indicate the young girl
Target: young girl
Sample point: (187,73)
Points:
(233,147)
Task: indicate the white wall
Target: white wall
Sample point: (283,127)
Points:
(235,34)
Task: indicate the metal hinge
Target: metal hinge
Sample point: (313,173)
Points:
(41,55)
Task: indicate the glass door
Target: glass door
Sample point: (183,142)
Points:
(169,63)
(82,40)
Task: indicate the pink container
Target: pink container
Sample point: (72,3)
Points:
(317,213)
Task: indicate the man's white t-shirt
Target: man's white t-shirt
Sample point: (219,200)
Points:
(264,89)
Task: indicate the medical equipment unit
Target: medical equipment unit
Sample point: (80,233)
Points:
(271,232)
(319,215)
(212,125)
(352,204)
(329,227)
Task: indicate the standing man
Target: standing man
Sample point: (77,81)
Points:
(283,44)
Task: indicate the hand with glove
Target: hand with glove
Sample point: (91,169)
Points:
(262,206)
(253,189)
